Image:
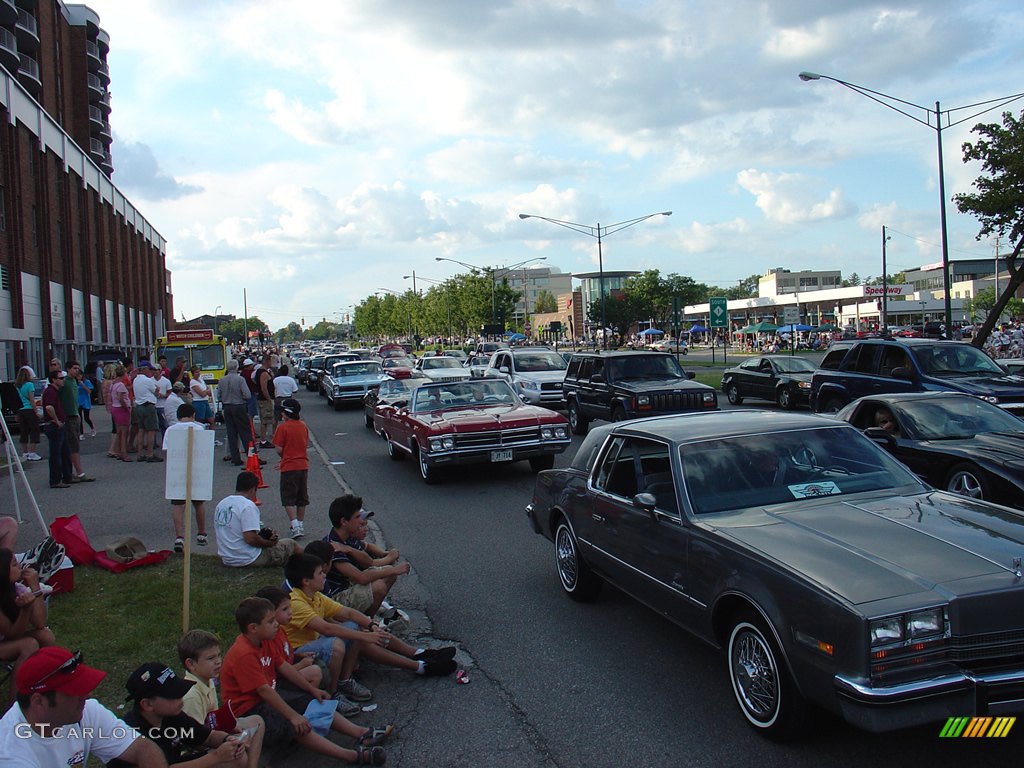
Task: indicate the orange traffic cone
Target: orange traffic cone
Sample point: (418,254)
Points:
(252,464)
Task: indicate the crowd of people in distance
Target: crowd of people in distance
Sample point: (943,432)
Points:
(1005,341)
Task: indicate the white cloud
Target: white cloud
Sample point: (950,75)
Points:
(792,198)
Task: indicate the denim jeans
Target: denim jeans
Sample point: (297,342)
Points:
(60,454)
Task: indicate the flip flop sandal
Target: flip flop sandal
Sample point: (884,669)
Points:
(374,737)
(371,756)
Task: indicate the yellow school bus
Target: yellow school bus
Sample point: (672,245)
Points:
(199,347)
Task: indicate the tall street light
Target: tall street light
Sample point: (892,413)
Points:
(598,232)
(932,119)
(399,295)
(493,272)
(885,284)
(216,314)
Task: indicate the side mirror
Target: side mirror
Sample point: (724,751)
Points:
(645,501)
(400,404)
(504,369)
(880,436)
(690,374)
(903,373)
(597,378)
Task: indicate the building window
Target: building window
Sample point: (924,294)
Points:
(5,278)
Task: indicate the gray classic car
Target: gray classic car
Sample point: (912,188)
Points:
(829,573)
(348,382)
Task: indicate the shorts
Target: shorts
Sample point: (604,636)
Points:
(266,408)
(279,732)
(294,488)
(71,433)
(277,407)
(121,416)
(322,647)
(144,417)
(28,426)
(181,503)
(359,597)
(276,555)
(202,408)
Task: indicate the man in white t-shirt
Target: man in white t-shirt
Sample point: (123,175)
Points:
(144,413)
(185,418)
(54,723)
(163,390)
(241,539)
(284,387)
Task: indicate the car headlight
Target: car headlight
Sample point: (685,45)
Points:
(561,432)
(533,386)
(337,390)
(442,443)
(989,398)
(887,630)
(804,385)
(709,397)
(926,623)
(643,400)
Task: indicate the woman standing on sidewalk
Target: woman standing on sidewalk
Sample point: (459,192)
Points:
(120,412)
(28,419)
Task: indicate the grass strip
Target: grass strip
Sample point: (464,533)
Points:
(121,620)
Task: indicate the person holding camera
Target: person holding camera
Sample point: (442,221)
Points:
(242,540)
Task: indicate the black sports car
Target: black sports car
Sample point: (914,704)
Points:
(827,572)
(953,441)
(783,379)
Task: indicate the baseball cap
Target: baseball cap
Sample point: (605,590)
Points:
(179,386)
(57,669)
(62,375)
(247,361)
(145,364)
(155,679)
(291,406)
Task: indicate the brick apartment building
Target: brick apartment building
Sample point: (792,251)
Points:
(80,267)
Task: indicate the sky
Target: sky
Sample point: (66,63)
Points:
(312,153)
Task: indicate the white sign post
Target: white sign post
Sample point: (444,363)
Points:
(189,476)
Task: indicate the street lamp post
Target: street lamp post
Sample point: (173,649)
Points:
(396,293)
(923,303)
(930,114)
(885,284)
(493,272)
(216,314)
(599,233)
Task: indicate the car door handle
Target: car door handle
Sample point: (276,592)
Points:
(596,517)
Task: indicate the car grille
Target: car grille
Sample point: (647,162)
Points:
(989,646)
(677,401)
(447,379)
(551,386)
(350,388)
(497,438)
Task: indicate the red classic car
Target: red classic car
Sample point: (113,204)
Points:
(470,422)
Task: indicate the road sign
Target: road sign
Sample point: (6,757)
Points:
(719,312)
(791,315)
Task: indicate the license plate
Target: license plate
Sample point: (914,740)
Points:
(501,455)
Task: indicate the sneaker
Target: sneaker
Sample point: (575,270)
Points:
(347,708)
(354,690)
(436,654)
(297,530)
(399,622)
(266,444)
(83,478)
(179,545)
(46,557)
(155,459)
(201,539)
(35,456)
(437,667)
(93,433)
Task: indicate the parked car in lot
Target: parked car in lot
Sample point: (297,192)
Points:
(474,421)
(783,379)
(950,440)
(1012,364)
(829,573)
(672,345)
(349,381)
(536,374)
(875,366)
(394,393)
(442,368)
(625,385)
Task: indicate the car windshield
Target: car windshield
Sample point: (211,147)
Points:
(955,418)
(643,366)
(772,468)
(529,362)
(431,363)
(468,393)
(954,360)
(794,364)
(356,369)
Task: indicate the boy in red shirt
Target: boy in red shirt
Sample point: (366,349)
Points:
(249,683)
(290,440)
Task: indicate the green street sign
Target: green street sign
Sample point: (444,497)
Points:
(719,312)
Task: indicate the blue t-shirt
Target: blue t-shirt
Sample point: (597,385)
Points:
(27,391)
(85,394)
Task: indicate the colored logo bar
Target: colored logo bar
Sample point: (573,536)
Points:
(977,727)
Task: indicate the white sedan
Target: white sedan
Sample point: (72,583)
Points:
(442,369)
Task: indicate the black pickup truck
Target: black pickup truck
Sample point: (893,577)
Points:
(626,385)
(876,366)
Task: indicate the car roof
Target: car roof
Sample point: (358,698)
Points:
(903,397)
(620,353)
(687,427)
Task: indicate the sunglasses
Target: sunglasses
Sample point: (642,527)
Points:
(67,667)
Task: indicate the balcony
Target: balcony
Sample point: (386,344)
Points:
(28,74)
(9,51)
(103,102)
(27,30)
(8,12)
(96,117)
(103,72)
(96,88)
(97,150)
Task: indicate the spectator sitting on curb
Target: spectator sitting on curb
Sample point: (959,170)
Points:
(241,539)
(53,686)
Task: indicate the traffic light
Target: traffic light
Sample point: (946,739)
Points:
(501,316)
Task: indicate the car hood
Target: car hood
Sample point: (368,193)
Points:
(868,550)
(986,447)
(485,417)
(446,373)
(657,383)
(541,376)
(376,378)
(1010,385)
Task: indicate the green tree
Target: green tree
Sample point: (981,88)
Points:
(998,200)
(620,312)
(982,302)
(234,330)
(852,280)
(546,302)
(291,332)
(746,289)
